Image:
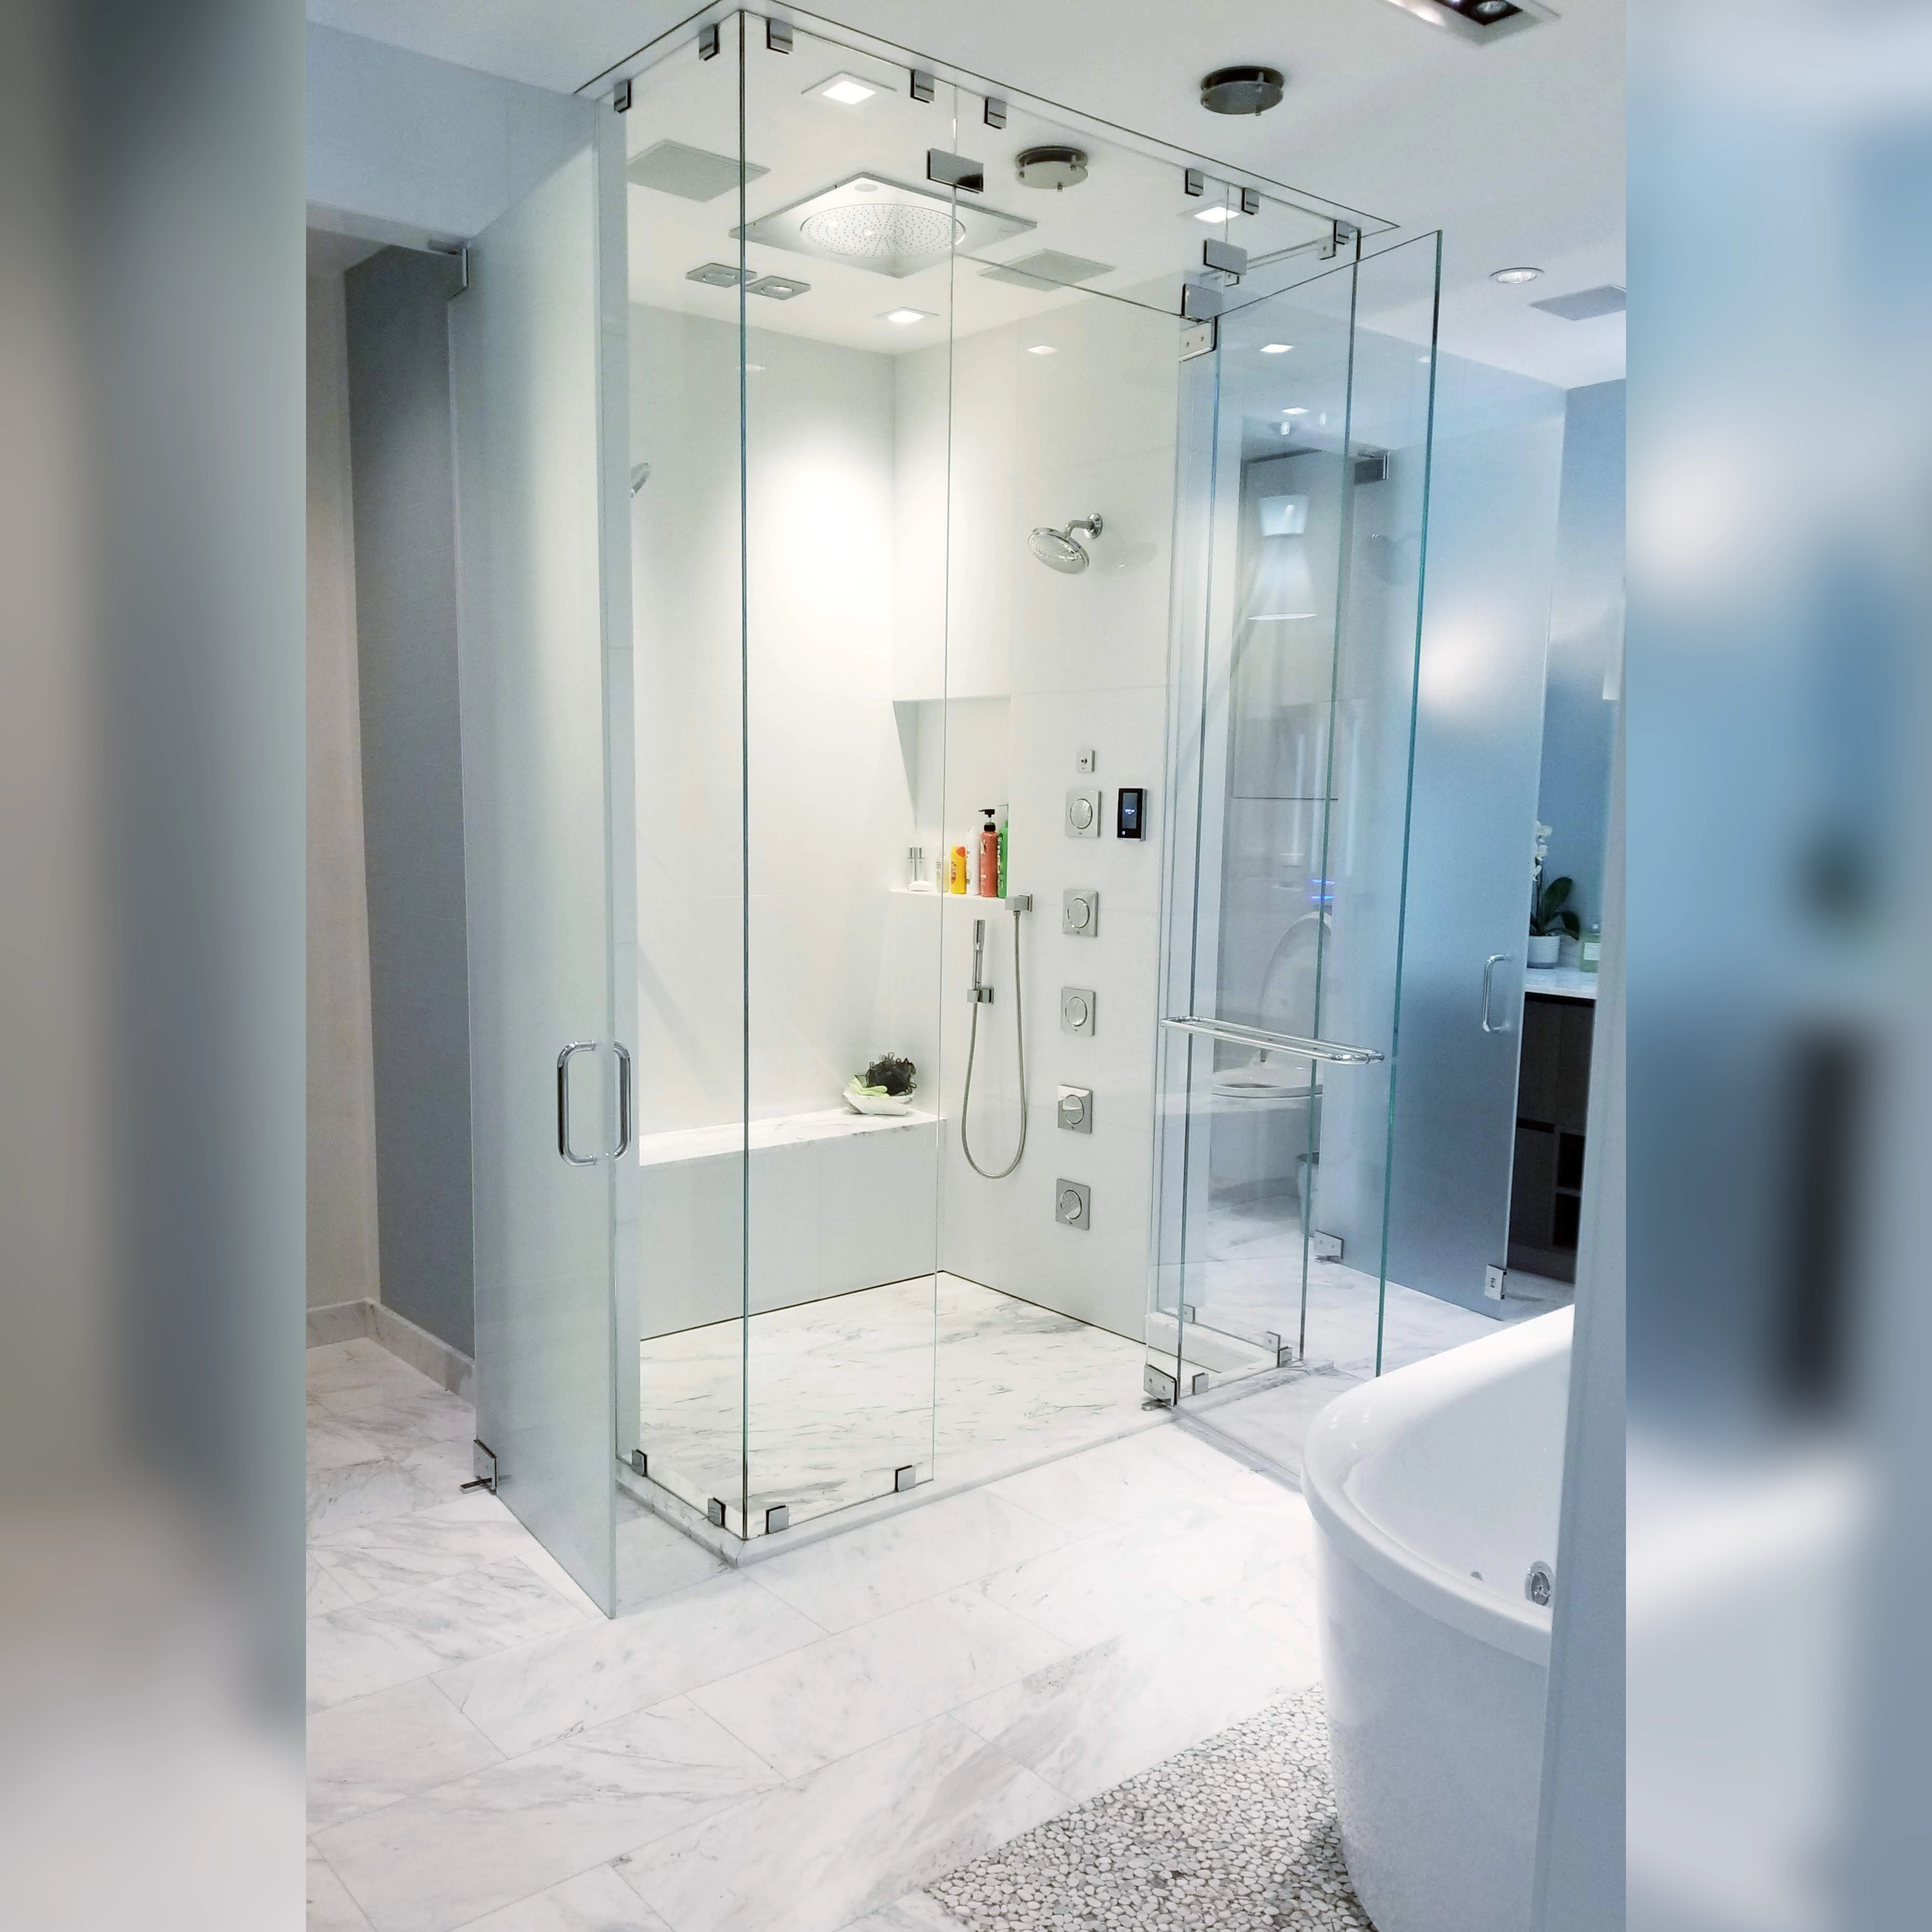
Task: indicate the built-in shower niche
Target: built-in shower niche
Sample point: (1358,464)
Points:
(956,752)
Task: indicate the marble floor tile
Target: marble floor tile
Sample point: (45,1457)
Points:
(869,1572)
(333,1440)
(849,1839)
(917,1911)
(373,1750)
(330,1907)
(437,1860)
(1128,1481)
(343,1376)
(377,1559)
(402,1424)
(838,1695)
(1095,1587)
(597,1901)
(654,1559)
(371,1646)
(325,1591)
(1274,1421)
(364,1492)
(938,1372)
(539,1692)
(1107,1714)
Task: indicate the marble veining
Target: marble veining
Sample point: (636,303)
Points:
(438,1860)
(938,1373)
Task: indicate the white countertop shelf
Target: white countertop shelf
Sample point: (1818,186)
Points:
(1565,982)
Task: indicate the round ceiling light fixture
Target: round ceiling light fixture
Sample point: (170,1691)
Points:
(1242,90)
(1514,274)
(1051,167)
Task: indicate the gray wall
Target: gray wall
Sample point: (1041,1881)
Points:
(342,1232)
(405,549)
(1585,637)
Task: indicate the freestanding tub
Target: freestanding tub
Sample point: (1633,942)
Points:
(1434,1490)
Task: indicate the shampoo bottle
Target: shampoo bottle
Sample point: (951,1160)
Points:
(1003,852)
(957,881)
(989,856)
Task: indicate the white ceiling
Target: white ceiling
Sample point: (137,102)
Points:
(1515,151)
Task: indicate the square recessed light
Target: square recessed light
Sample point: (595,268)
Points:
(906,317)
(847,89)
(1043,349)
(1276,348)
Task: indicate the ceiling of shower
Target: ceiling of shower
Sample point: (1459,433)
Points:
(841,200)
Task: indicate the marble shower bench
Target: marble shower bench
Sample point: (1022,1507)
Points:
(839,1201)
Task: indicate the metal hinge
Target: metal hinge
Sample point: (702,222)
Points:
(458,252)
(483,1460)
(620,97)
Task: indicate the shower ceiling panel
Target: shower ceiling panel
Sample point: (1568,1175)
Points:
(868,222)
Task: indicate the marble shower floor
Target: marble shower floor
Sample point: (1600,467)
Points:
(956,1380)
(798,1747)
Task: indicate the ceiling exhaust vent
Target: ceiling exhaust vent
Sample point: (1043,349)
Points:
(1479,20)
(1585,304)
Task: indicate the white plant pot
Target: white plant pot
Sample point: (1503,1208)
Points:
(1544,949)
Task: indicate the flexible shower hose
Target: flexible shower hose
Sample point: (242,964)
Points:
(972,1047)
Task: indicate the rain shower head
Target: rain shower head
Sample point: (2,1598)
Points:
(1061,550)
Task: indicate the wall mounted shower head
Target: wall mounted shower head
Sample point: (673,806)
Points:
(1060,549)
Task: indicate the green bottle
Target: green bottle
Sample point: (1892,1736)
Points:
(1003,851)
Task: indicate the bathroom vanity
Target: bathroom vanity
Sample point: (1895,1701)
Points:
(1551,1108)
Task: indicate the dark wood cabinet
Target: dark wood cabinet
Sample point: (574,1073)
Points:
(1552,1107)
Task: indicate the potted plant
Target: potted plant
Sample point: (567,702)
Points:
(1551,917)
(885,1087)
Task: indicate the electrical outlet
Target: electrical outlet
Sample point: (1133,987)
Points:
(1080,911)
(1492,1283)
(1087,759)
(1073,1205)
(1076,1010)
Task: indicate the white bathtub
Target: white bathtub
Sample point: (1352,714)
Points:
(1434,1491)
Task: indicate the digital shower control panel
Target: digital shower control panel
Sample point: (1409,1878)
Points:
(1130,812)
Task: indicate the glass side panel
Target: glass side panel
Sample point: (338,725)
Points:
(848,249)
(525,353)
(686,528)
(1301,517)
(1493,514)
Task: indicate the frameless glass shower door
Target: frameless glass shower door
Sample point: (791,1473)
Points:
(1304,475)
(544,652)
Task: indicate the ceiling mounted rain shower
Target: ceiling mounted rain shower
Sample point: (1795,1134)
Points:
(1242,90)
(1051,167)
(1061,550)
(884,225)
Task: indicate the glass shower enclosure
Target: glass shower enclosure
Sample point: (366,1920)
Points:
(938,582)
(886,326)
(1304,461)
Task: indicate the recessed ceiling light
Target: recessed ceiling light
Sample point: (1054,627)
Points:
(905,315)
(1043,349)
(1216,214)
(1515,275)
(1295,413)
(1275,348)
(847,89)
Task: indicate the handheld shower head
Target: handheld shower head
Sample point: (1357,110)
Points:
(1060,549)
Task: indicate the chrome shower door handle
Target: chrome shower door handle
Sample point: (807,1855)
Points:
(623,1100)
(1489,966)
(563,1103)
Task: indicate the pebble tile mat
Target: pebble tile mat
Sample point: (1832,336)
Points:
(1238,1834)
